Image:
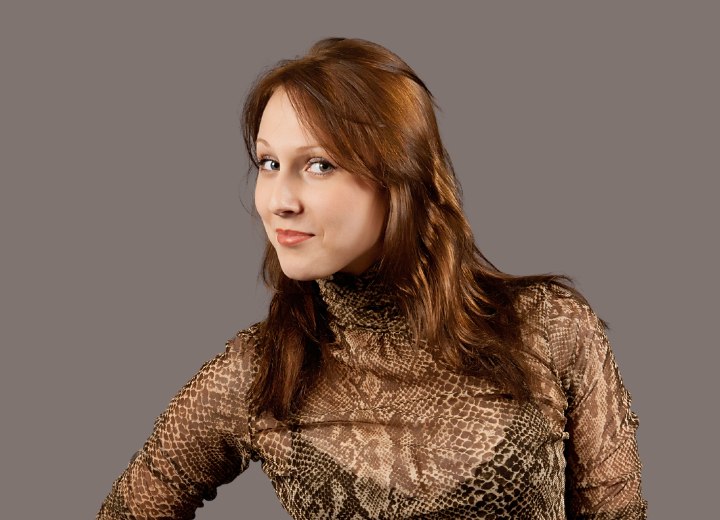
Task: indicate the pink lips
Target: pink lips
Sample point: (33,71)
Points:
(290,237)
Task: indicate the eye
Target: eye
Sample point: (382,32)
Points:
(319,166)
(265,163)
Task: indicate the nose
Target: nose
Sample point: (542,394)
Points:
(284,197)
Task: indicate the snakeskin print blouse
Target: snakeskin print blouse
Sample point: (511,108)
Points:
(389,433)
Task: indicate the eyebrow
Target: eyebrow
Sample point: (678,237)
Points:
(299,148)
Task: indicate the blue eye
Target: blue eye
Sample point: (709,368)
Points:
(320,166)
(265,163)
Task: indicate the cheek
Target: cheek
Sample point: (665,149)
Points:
(260,199)
(355,220)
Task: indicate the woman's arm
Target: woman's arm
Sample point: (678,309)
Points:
(603,467)
(200,442)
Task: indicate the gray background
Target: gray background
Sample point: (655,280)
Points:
(586,138)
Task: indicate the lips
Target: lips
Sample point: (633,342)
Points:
(290,237)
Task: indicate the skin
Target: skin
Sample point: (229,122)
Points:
(300,189)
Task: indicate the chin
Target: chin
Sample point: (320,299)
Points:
(304,273)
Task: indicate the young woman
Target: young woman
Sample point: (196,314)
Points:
(398,373)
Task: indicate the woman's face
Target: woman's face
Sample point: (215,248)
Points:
(319,218)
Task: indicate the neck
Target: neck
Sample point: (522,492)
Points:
(361,301)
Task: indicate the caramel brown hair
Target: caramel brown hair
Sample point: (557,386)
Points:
(376,118)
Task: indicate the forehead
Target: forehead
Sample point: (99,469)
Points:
(280,125)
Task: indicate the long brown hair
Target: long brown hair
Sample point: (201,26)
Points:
(376,118)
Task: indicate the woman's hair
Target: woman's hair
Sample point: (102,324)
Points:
(376,119)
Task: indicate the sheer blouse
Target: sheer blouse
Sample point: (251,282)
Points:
(390,432)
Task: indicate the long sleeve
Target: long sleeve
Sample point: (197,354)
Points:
(200,442)
(603,466)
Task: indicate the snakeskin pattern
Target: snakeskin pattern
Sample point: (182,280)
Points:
(388,432)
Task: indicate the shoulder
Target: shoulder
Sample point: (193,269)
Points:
(576,341)
(241,349)
(572,333)
(556,307)
(245,340)
(232,368)
(218,390)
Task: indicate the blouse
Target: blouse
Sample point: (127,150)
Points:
(389,431)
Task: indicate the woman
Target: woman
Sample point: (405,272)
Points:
(398,374)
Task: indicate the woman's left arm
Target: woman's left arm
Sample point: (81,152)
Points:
(603,467)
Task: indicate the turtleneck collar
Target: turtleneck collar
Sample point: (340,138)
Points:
(361,301)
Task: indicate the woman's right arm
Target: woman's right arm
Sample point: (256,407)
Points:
(200,442)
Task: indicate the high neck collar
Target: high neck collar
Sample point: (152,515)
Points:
(361,301)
